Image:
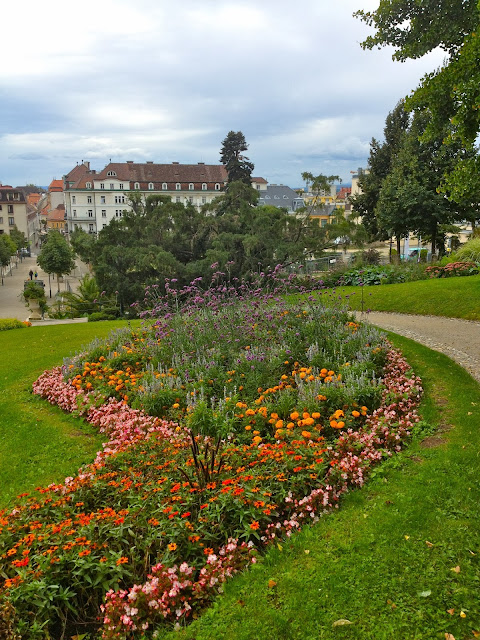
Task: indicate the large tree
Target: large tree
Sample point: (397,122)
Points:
(450,94)
(237,165)
(56,256)
(382,155)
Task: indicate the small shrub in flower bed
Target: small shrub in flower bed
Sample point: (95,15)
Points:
(13,323)
(453,269)
(146,534)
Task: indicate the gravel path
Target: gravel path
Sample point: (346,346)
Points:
(458,339)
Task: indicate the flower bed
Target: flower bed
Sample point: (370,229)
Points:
(169,510)
(453,269)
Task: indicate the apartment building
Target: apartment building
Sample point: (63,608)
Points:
(13,210)
(93,199)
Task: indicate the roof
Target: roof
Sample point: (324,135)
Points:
(58,214)
(281,196)
(344,192)
(56,185)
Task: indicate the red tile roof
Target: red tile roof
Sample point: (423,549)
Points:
(56,185)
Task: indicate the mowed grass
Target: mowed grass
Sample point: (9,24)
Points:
(450,297)
(40,444)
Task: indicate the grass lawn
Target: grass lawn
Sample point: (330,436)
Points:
(400,559)
(38,442)
(449,297)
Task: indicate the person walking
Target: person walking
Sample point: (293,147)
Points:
(30,273)
(36,275)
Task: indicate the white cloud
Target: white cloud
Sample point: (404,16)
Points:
(165,80)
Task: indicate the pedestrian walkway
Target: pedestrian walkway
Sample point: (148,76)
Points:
(12,305)
(458,339)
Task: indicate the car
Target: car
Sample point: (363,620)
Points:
(25,251)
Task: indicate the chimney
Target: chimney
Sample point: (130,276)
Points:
(175,163)
(129,161)
(201,163)
(87,164)
(149,161)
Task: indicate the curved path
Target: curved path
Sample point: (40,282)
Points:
(458,339)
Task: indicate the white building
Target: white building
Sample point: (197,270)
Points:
(93,199)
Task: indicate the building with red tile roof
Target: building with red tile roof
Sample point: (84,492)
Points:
(93,199)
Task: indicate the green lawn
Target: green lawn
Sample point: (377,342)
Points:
(400,559)
(450,297)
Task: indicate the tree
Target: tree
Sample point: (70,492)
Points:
(450,94)
(7,249)
(56,256)
(83,244)
(320,185)
(18,238)
(238,166)
(410,197)
(380,163)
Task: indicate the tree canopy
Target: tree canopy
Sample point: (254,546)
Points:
(237,165)
(160,239)
(56,255)
(450,94)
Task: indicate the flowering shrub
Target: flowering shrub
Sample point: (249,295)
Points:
(277,417)
(453,269)
(13,323)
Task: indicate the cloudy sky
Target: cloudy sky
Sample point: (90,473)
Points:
(166,80)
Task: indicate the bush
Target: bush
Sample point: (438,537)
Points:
(12,323)
(101,315)
(470,252)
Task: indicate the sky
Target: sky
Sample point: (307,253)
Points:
(166,80)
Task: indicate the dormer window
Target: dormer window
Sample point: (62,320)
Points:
(102,186)
(204,186)
(191,186)
(217,187)
(89,185)
(164,186)
(111,173)
(150,186)
(178,186)
(137,185)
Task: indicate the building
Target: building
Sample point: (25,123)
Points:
(56,218)
(281,196)
(93,199)
(13,210)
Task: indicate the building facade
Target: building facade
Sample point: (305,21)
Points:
(13,210)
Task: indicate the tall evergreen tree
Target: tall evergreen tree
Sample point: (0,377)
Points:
(238,166)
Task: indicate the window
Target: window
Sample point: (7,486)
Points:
(1,221)
(112,186)
(118,213)
(177,199)
(267,197)
(89,199)
(191,186)
(178,186)
(285,197)
(89,185)
(0,207)
(74,213)
(90,228)
(11,221)
(119,199)
(137,185)
(90,213)
(120,186)
(204,200)
(104,213)
(258,187)
(164,186)
(217,187)
(102,199)
(76,226)
(104,226)
(111,173)
(324,223)
(190,199)
(74,200)
(204,186)
(276,197)
(10,208)
(150,186)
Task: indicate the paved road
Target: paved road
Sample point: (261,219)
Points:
(458,339)
(11,305)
